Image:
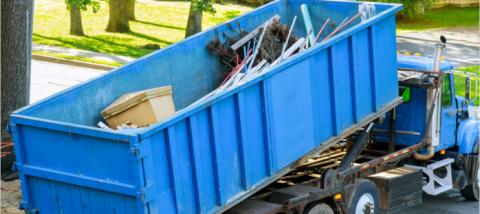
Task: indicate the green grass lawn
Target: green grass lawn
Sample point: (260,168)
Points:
(442,18)
(159,22)
(460,83)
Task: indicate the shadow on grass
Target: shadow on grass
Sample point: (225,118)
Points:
(101,44)
(159,25)
(105,44)
(147,37)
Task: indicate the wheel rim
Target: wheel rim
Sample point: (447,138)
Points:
(365,204)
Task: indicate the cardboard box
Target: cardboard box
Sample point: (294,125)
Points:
(141,108)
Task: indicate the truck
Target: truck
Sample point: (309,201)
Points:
(345,126)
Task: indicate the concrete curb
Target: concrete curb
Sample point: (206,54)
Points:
(71,62)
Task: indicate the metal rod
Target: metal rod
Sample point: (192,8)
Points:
(321,30)
(342,26)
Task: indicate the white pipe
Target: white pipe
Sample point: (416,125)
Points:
(288,37)
(258,45)
(308,23)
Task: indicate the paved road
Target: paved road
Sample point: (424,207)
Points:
(50,78)
(463,44)
(450,202)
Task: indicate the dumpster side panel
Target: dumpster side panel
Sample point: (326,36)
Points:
(76,154)
(57,197)
(291,113)
(361,62)
(208,149)
(56,167)
(341,85)
(384,60)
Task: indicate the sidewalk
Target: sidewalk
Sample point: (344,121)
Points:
(82,53)
(49,78)
(462,49)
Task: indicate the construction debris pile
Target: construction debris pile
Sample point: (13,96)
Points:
(255,53)
(243,58)
(242,46)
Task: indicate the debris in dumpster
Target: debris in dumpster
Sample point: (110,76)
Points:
(340,27)
(140,109)
(308,24)
(269,48)
(259,44)
(102,125)
(251,54)
(288,37)
(367,9)
(321,31)
(252,34)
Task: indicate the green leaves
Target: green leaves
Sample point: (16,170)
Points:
(411,8)
(83,4)
(204,6)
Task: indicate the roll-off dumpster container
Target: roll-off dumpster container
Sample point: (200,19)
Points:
(212,155)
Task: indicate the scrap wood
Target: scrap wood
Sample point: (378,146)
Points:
(252,34)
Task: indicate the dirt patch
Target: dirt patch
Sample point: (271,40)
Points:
(11,197)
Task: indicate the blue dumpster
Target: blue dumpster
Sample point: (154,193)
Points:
(208,156)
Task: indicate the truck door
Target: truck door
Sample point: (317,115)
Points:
(448,113)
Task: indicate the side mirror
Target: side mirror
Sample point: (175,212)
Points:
(443,39)
(467,87)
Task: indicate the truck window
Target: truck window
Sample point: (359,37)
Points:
(446,91)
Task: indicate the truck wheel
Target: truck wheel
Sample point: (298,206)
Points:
(364,199)
(471,191)
(319,208)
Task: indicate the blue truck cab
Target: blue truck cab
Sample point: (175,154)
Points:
(458,123)
(452,129)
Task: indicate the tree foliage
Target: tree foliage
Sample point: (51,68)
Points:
(203,6)
(83,4)
(411,8)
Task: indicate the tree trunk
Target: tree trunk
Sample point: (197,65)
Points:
(16,48)
(194,24)
(118,18)
(131,9)
(76,27)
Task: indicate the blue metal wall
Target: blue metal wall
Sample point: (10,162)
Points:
(213,153)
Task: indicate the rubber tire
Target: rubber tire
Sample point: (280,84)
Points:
(361,187)
(471,191)
(319,208)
